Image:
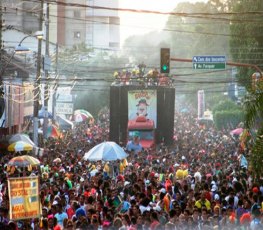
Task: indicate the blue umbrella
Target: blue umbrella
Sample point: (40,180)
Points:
(106,151)
(184,110)
(41,114)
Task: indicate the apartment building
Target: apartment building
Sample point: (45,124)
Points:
(82,21)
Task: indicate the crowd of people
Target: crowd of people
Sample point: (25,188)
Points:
(202,181)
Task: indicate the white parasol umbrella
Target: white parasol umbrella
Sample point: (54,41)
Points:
(21,137)
(19,146)
(106,151)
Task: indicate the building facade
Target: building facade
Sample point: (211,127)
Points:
(84,22)
(102,25)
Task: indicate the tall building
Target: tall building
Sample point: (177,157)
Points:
(82,22)
(22,15)
(103,30)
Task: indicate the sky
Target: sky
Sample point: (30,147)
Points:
(139,23)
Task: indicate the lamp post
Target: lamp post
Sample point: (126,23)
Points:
(37,82)
(22,49)
(36,95)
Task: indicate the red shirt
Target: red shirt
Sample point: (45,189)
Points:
(154,224)
(70,212)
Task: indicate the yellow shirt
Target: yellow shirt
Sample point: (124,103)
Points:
(106,168)
(206,203)
(121,167)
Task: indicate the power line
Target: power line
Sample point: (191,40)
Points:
(164,29)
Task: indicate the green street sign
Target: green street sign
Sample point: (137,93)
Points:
(200,65)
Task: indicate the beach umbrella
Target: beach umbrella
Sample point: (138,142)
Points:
(106,151)
(184,110)
(42,113)
(19,146)
(21,137)
(23,161)
(83,111)
(81,115)
(237,131)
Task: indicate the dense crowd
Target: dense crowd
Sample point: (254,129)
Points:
(202,181)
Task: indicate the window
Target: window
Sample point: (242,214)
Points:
(76,34)
(114,44)
(76,13)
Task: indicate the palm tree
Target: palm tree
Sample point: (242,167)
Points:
(253,105)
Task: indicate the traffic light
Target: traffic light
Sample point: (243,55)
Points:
(165,60)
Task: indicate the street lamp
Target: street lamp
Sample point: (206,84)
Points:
(22,49)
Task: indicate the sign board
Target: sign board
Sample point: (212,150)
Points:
(47,63)
(142,103)
(64,90)
(200,103)
(64,108)
(209,62)
(24,197)
(64,98)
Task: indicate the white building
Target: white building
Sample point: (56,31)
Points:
(102,25)
(82,22)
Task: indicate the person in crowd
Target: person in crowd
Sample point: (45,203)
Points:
(196,183)
(134,145)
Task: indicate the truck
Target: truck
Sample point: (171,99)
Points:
(151,97)
(143,127)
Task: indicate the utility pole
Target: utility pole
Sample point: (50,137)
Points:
(1,29)
(54,99)
(46,68)
(37,82)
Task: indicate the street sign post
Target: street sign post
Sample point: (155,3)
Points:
(209,62)
(64,108)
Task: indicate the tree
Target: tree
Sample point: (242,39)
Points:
(246,41)
(195,30)
(227,113)
(246,46)
(253,105)
(90,74)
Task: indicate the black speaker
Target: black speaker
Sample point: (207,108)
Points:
(168,114)
(123,110)
(114,113)
(160,115)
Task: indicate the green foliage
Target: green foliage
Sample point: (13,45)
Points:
(253,105)
(247,37)
(91,73)
(246,46)
(226,113)
(225,105)
(226,118)
(92,101)
(213,98)
(256,156)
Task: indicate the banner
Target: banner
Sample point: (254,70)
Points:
(28,99)
(24,197)
(200,103)
(142,103)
